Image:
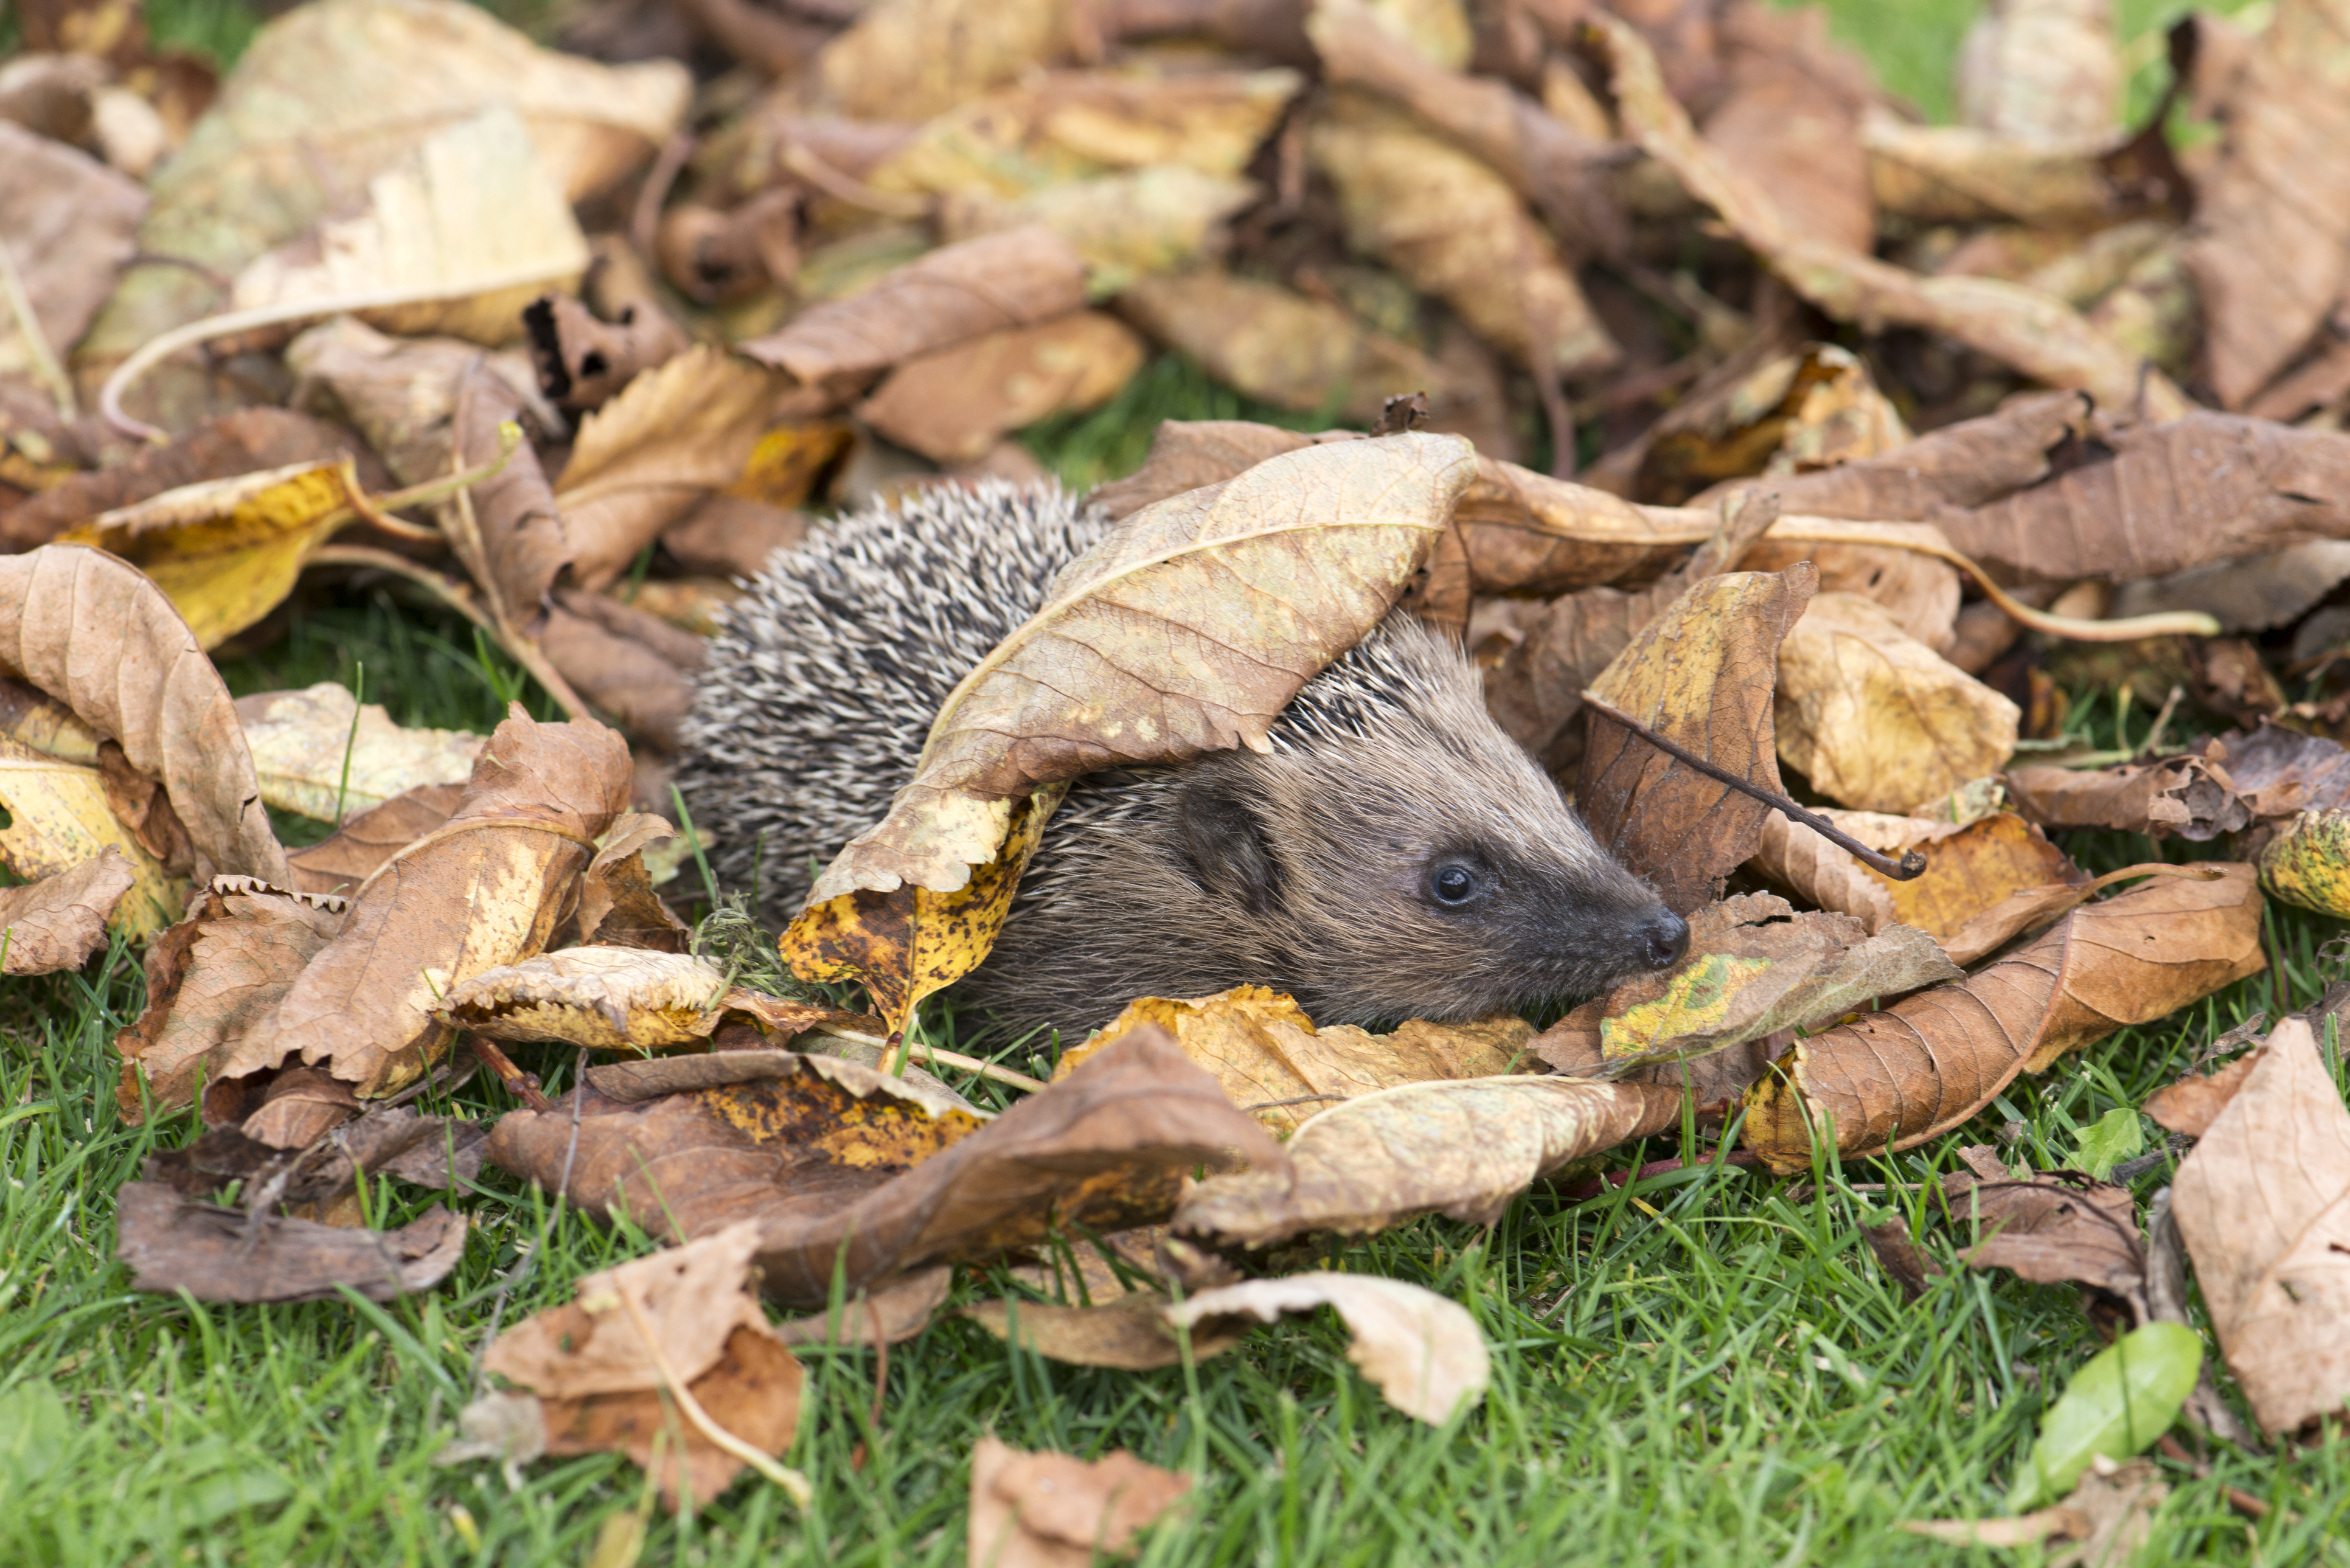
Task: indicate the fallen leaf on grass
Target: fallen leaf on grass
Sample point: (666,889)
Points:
(953,405)
(2120,1401)
(2192,1104)
(618,905)
(910,60)
(319,747)
(889,1316)
(621,999)
(2110,1512)
(1897,1253)
(90,631)
(1875,718)
(1461,1149)
(1700,674)
(2264,1201)
(840,1163)
(1896,1077)
(2053,1228)
(59,921)
(60,818)
(226,1255)
(1127,226)
(1017,278)
(1056,1510)
(1425,1351)
(355,851)
(211,980)
(485,890)
(2184,794)
(1267,1055)
(611,1368)
(1274,344)
(439,1152)
(1131,1334)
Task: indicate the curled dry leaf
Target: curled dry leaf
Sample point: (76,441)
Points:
(1962,173)
(1897,1077)
(59,921)
(2192,1104)
(1272,1062)
(953,405)
(1259,583)
(607,998)
(2055,1228)
(320,748)
(211,980)
(1425,1351)
(1451,225)
(1875,718)
(2036,334)
(2111,1513)
(910,60)
(486,888)
(1274,344)
(642,461)
(1131,1334)
(1462,1148)
(1964,464)
(60,818)
(840,1163)
(618,905)
(226,1255)
(960,292)
(2257,593)
(610,1368)
(2264,1201)
(583,360)
(1700,674)
(90,631)
(1053,1511)
(1128,227)
(889,1316)
(2189,795)
(353,852)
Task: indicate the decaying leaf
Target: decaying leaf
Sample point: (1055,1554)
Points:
(486,888)
(1128,227)
(1875,718)
(910,60)
(1700,674)
(353,853)
(618,905)
(1276,343)
(889,1315)
(60,818)
(225,1255)
(1130,1333)
(2053,1228)
(2184,794)
(582,359)
(2110,1512)
(1425,1351)
(70,223)
(1896,1077)
(318,748)
(2264,1201)
(610,1368)
(1054,1510)
(840,1163)
(621,998)
(953,405)
(90,631)
(1461,1149)
(1272,1062)
(59,921)
(1262,580)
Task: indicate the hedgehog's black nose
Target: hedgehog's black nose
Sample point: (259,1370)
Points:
(1664,936)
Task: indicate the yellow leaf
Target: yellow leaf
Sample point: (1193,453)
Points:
(226,551)
(910,941)
(58,818)
(2308,864)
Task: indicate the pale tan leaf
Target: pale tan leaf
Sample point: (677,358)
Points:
(1273,343)
(955,405)
(1127,226)
(1056,1510)
(1425,1351)
(910,60)
(59,921)
(60,818)
(71,224)
(607,998)
(302,741)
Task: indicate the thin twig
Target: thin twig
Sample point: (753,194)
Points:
(794,1484)
(458,597)
(935,1056)
(524,1084)
(46,363)
(1911,864)
(842,186)
(644,219)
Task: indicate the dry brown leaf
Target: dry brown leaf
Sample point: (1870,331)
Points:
(603,1384)
(1462,1148)
(1965,464)
(1897,1077)
(2264,1201)
(211,980)
(583,360)
(840,1163)
(1274,344)
(2054,1229)
(1791,119)
(225,1255)
(1272,1062)
(71,224)
(329,98)
(59,921)
(1756,967)
(353,853)
(90,631)
(2273,216)
(607,998)
(1017,278)
(953,405)
(1424,1351)
(1700,674)
(889,1316)
(618,905)
(466,228)
(1898,1254)
(319,747)
(2189,795)
(1451,225)
(1875,718)
(61,816)
(1131,1334)
(1962,173)
(1191,454)
(674,435)
(401,394)
(486,888)
(1796,414)
(1261,581)
(910,60)
(2206,487)
(2254,594)
(439,1152)
(2111,1513)
(727,537)
(1056,1510)
(1128,227)
(2034,333)
(2192,1104)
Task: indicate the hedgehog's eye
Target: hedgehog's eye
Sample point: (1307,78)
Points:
(1455,883)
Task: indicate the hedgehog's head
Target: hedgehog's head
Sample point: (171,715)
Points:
(1401,856)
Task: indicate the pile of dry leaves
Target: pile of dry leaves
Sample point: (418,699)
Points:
(564,341)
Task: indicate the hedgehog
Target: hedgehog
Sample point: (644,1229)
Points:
(1394,855)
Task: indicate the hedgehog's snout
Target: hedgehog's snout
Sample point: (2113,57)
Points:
(1662,939)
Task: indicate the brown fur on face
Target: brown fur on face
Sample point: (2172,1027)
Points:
(1314,870)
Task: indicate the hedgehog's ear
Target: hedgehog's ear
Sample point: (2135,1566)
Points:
(1224,839)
